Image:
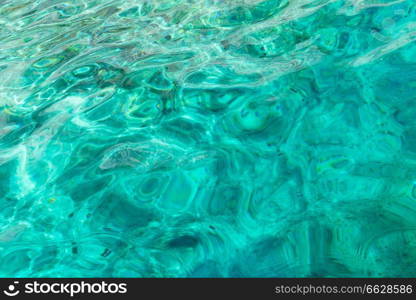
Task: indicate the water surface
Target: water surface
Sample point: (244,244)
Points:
(189,138)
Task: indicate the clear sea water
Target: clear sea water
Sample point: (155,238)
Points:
(207,138)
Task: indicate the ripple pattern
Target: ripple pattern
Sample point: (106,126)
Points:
(207,138)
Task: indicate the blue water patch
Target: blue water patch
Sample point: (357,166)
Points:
(207,138)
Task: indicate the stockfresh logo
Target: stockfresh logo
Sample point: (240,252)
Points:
(12,289)
(71,289)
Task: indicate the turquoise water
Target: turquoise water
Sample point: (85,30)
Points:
(207,138)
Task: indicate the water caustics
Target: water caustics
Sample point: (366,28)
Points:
(207,138)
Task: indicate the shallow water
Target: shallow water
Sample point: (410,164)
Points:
(189,138)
